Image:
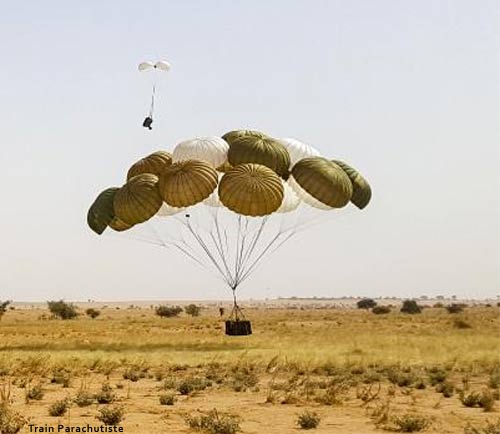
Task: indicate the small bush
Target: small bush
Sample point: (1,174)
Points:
(3,307)
(410,422)
(366,303)
(455,308)
(11,422)
(111,415)
(59,408)
(438,305)
(35,393)
(381,310)
(192,309)
(437,376)
(472,399)
(488,428)
(168,311)
(167,399)
(308,420)
(92,313)
(192,384)
(411,307)
(61,309)
(459,323)
(106,395)
(446,389)
(84,399)
(494,380)
(487,401)
(214,422)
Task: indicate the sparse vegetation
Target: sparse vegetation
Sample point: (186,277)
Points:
(214,422)
(487,428)
(455,308)
(192,310)
(168,311)
(59,408)
(381,310)
(61,309)
(167,399)
(366,303)
(410,422)
(106,395)
(92,313)
(411,307)
(308,420)
(84,398)
(111,415)
(3,307)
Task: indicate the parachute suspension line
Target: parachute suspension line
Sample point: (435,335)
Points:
(152,106)
(203,245)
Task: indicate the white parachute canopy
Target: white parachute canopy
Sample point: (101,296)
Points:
(161,65)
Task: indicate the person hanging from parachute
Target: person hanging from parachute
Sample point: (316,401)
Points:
(161,67)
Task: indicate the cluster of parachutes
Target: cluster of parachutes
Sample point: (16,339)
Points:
(245,171)
(228,201)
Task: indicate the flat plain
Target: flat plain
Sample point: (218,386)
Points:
(350,369)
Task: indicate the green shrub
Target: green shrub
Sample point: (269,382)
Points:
(3,307)
(84,398)
(92,313)
(472,399)
(308,420)
(455,308)
(214,422)
(167,399)
(106,395)
(34,393)
(446,389)
(111,415)
(168,311)
(59,408)
(192,309)
(488,428)
(411,307)
(410,422)
(366,303)
(61,309)
(11,422)
(192,384)
(381,310)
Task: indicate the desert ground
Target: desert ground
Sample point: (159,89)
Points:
(351,369)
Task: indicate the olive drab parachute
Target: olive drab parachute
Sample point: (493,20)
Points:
(251,190)
(138,200)
(101,212)
(186,183)
(153,163)
(227,202)
(259,150)
(361,190)
(324,180)
(160,67)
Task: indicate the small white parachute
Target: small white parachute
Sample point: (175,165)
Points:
(160,66)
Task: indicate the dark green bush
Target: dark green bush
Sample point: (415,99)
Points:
(366,303)
(381,310)
(308,420)
(192,309)
(92,313)
(168,311)
(61,309)
(411,307)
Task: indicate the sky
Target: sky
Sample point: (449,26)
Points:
(407,92)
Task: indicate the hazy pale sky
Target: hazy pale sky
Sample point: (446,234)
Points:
(408,92)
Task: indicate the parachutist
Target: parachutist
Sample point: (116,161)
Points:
(187,216)
(147,122)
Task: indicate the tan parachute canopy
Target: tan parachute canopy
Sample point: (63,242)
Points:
(153,163)
(138,200)
(324,180)
(187,183)
(251,148)
(362,192)
(251,190)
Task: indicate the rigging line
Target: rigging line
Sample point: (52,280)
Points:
(250,268)
(237,246)
(256,238)
(207,251)
(223,254)
(256,263)
(151,108)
